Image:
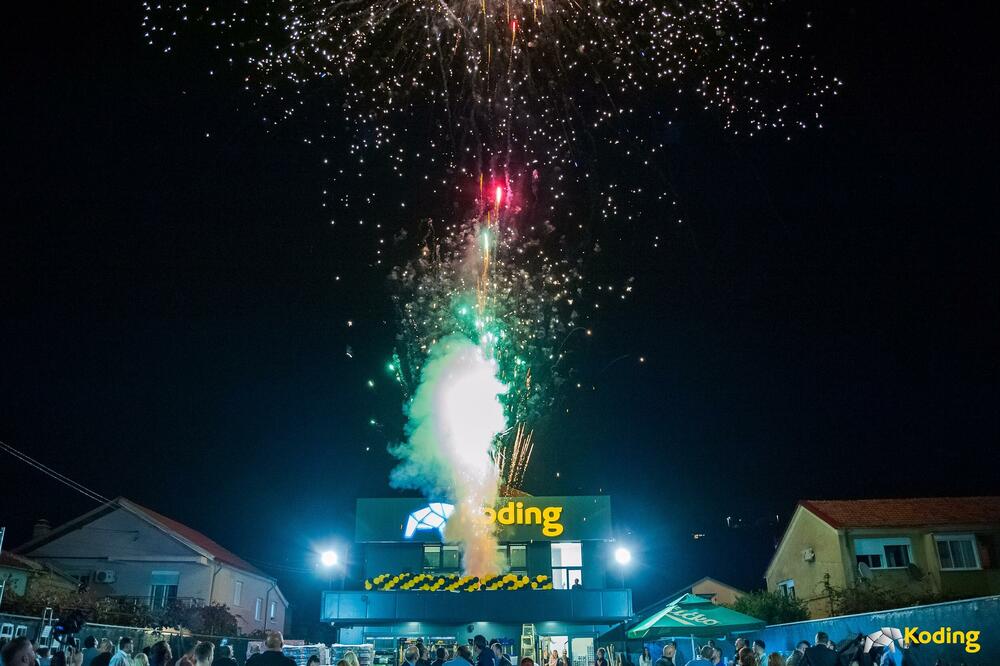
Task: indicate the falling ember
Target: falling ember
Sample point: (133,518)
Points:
(499,196)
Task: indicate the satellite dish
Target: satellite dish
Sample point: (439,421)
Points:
(865,570)
(916,573)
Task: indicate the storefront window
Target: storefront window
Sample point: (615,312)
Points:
(513,557)
(567,565)
(441,558)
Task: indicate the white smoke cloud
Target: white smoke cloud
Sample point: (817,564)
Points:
(452,421)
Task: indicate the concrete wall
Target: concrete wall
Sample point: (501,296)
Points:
(807,531)
(254,587)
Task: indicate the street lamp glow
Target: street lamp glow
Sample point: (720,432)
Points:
(622,555)
(329,558)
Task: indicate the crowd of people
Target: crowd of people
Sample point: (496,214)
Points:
(21,652)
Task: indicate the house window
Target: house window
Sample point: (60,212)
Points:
(513,557)
(891,553)
(258,609)
(787,588)
(441,558)
(163,588)
(957,552)
(567,565)
(273,610)
(237,592)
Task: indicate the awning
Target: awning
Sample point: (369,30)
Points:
(691,615)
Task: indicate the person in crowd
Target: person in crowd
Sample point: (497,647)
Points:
(717,659)
(775,659)
(565,657)
(746,657)
(526,661)
(313,660)
(462,657)
(224,657)
(738,645)
(484,655)
(89,650)
(187,659)
(796,656)
(204,653)
(441,656)
(411,655)
(759,652)
(820,654)
(703,657)
(554,658)
(42,656)
(58,658)
(73,656)
(343,662)
(667,659)
(499,656)
(18,652)
(272,655)
(124,655)
(104,650)
(352,658)
(140,659)
(645,659)
(160,654)
(423,660)
(601,660)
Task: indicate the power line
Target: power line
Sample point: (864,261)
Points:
(48,471)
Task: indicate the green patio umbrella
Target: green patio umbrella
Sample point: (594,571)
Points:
(691,615)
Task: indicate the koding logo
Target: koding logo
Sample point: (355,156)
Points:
(434,516)
(889,636)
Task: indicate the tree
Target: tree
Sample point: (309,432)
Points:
(771,607)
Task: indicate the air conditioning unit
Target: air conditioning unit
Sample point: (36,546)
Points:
(105,576)
(808,555)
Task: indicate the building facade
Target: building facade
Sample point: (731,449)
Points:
(124,550)
(560,587)
(946,546)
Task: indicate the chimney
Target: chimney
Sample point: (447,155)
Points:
(40,529)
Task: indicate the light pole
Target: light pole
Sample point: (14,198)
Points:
(330,559)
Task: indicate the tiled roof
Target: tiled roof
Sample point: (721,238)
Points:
(195,537)
(912,512)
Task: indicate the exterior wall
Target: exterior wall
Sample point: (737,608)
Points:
(16,580)
(807,531)
(393,558)
(720,594)
(254,587)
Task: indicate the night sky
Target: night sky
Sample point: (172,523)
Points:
(823,324)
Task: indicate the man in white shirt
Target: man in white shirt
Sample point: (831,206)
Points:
(124,655)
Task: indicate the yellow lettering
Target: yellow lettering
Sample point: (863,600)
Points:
(491,514)
(551,527)
(910,634)
(532,515)
(972,642)
(505,516)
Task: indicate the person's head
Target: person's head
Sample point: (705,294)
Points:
(313,659)
(600,653)
(497,649)
(344,663)
(465,653)
(274,641)
(423,650)
(160,653)
(18,652)
(204,652)
(526,661)
(645,651)
(226,652)
(351,658)
(822,638)
(411,654)
(739,644)
(707,652)
(802,646)
(106,645)
(441,653)
(555,653)
(746,657)
(479,643)
(140,659)
(775,659)
(125,644)
(758,647)
(89,642)
(669,650)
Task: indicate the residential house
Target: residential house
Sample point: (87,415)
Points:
(938,545)
(123,549)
